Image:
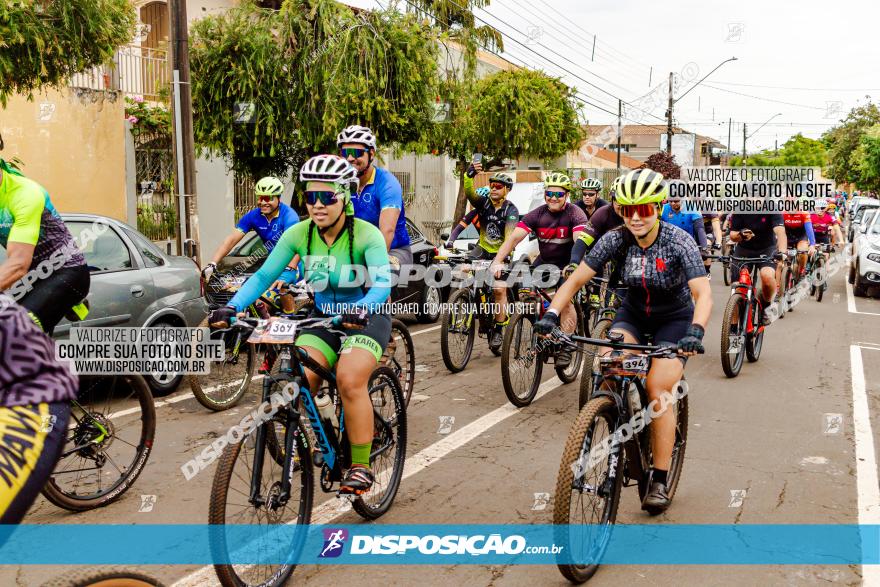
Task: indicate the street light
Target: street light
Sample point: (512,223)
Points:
(673,101)
(753,134)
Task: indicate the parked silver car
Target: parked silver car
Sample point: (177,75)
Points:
(135,284)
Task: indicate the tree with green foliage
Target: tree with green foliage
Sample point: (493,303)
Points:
(512,114)
(798,151)
(866,159)
(43,43)
(309,69)
(843,140)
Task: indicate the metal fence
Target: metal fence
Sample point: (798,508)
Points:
(154,174)
(244,199)
(136,71)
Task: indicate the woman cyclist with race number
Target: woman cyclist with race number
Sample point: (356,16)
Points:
(662,266)
(334,246)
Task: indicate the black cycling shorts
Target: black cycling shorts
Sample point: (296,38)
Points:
(823,238)
(738,252)
(666,329)
(795,235)
(52,297)
(31,440)
(332,342)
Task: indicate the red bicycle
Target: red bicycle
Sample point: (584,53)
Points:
(742,333)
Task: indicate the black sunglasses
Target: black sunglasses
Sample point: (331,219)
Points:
(327,198)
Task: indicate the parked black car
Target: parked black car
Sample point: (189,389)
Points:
(418,292)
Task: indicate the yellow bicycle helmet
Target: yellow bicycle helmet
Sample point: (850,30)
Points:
(558,180)
(641,186)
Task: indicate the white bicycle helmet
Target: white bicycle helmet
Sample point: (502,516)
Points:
(591,183)
(357,134)
(329,168)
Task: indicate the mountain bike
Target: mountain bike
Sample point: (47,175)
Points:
(601,456)
(109,439)
(467,313)
(267,475)
(742,331)
(523,353)
(817,272)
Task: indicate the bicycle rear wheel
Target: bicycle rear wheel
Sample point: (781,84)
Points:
(457,331)
(109,439)
(733,332)
(521,360)
(822,275)
(229,378)
(591,362)
(389,444)
(587,491)
(231,505)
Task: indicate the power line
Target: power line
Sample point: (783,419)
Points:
(764,99)
(799,88)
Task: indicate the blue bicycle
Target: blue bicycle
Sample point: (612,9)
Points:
(266,476)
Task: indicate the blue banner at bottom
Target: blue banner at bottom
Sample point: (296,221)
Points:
(655,544)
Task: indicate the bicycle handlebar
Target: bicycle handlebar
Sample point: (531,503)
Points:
(648,349)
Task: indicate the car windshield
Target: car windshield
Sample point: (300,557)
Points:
(874,228)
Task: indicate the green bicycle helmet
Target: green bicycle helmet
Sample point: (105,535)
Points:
(269,186)
(591,183)
(558,180)
(502,178)
(642,186)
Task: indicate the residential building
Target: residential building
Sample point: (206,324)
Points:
(640,141)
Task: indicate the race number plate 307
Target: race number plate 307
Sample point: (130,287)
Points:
(278,331)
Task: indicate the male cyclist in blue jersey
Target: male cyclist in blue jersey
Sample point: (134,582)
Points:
(334,245)
(379,197)
(44,270)
(269,220)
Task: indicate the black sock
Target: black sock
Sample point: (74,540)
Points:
(659,476)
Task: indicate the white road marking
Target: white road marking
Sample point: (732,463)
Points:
(424,330)
(867,484)
(169,401)
(851,302)
(328,511)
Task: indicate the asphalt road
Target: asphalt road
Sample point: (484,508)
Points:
(763,433)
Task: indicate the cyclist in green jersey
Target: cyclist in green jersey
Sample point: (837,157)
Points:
(336,248)
(44,271)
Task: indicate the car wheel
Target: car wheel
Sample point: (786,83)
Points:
(162,384)
(430,304)
(859,289)
(851,277)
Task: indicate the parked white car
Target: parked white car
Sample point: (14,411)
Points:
(864,270)
(526,197)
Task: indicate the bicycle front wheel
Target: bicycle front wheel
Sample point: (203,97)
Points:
(587,490)
(388,453)
(571,372)
(109,439)
(733,332)
(232,503)
(521,360)
(457,331)
(229,378)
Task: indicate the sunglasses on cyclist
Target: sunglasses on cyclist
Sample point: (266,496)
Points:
(643,210)
(497,186)
(327,198)
(262,199)
(555,195)
(352,152)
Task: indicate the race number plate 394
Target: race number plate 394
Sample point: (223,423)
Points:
(638,364)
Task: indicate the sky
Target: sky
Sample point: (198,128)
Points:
(800,65)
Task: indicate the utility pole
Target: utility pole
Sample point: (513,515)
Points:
(184,151)
(669,119)
(729,128)
(744,145)
(619,116)
(776,147)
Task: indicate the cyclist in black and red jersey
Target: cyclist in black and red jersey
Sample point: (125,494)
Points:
(557,224)
(799,231)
